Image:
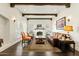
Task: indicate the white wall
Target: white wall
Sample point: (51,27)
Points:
(24,24)
(73,14)
(11,29)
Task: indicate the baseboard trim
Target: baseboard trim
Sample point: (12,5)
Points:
(8,45)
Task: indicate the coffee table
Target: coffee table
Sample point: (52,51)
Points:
(39,41)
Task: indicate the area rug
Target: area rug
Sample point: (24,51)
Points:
(41,47)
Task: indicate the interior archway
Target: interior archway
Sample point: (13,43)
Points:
(4,29)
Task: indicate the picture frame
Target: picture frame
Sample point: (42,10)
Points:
(39,25)
(61,23)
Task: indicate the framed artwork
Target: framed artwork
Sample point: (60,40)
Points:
(61,23)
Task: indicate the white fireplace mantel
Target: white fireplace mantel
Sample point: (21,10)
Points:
(39,30)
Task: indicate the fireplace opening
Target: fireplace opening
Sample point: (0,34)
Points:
(39,33)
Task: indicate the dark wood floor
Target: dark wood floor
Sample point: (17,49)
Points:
(19,50)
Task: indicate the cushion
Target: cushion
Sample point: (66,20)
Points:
(60,36)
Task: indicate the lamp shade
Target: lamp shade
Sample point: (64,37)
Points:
(68,28)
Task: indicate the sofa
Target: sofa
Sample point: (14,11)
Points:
(57,40)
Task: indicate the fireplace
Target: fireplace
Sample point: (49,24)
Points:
(39,33)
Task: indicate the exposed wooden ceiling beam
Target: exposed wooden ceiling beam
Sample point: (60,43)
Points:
(39,18)
(38,14)
(67,5)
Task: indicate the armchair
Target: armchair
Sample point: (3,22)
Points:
(25,37)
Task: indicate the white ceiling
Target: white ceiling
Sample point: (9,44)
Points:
(39,9)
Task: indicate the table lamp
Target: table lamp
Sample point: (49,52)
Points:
(68,28)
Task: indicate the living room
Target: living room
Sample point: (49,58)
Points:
(48,18)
